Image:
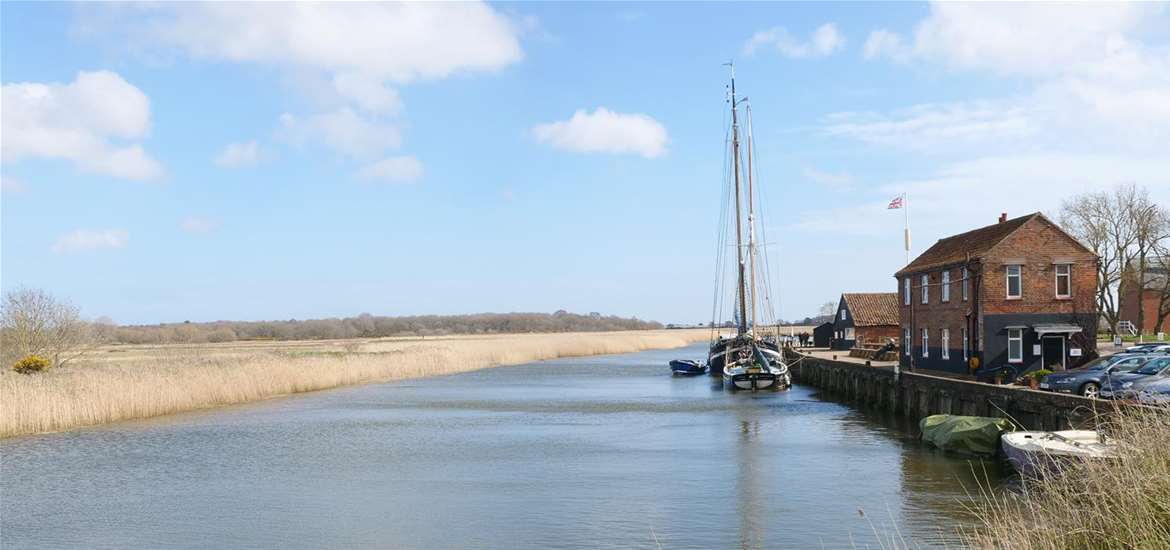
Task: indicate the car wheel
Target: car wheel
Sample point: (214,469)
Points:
(1091,390)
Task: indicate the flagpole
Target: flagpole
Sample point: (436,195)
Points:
(906,207)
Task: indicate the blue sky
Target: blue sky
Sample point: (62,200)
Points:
(235,161)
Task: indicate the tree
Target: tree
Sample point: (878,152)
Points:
(34,323)
(1151,230)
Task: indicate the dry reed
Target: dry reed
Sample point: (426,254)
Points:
(122,383)
(1122,504)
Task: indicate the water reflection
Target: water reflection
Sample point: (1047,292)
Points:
(605,452)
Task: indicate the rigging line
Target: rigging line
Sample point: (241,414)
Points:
(767,271)
(720,234)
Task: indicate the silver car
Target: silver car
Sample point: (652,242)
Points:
(1128,386)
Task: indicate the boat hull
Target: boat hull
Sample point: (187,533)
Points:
(687,368)
(753,381)
(1036,454)
(721,349)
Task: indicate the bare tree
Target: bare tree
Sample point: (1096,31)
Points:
(1103,221)
(1151,225)
(34,323)
(828,309)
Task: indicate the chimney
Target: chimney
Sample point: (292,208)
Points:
(1002,217)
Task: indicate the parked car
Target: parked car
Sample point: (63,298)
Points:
(1148,348)
(1156,393)
(1087,380)
(1127,386)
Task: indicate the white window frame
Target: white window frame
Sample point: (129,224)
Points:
(906,342)
(925,342)
(849,334)
(946,343)
(1019,337)
(906,290)
(925,288)
(1007,286)
(966,343)
(946,286)
(965,283)
(844,314)
(1068,280)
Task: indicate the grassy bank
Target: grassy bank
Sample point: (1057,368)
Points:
(1092,505)
(128,382)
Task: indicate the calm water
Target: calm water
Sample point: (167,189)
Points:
(601,452)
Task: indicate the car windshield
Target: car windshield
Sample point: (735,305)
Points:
(1099,363)
(1153,367)
(1130,364)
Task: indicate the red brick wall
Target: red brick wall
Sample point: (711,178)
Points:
(1128,308)
(876,336)
(1040,245)
(938,315)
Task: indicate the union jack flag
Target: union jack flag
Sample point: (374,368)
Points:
(896,203)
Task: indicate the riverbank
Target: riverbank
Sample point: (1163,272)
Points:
(117,383)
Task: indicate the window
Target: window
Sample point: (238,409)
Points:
(966,354)
(926,288)
(906,340)
(906,291)
(946,343)
(946,286)
(1063,281)
(1013,281)
(925,343)
(843,313)
(849,334)
(1015,345)
(965,283)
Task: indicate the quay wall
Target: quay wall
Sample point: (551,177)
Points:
(917,395)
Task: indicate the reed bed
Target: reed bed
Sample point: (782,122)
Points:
(123,383)
(1124,504)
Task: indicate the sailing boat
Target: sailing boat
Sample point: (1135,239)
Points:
(750,360)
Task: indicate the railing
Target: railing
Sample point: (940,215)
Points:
(1127,326)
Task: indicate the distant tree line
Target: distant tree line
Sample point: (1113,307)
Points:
(369,326)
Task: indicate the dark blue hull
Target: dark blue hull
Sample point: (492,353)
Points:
(685,367)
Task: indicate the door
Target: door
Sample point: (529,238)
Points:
(1053,352)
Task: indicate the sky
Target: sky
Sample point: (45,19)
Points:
(184,161)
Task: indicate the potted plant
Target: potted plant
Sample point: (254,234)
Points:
(1036,376)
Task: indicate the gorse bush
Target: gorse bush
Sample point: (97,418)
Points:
(31,364)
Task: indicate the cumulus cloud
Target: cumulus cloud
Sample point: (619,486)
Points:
(90,239)
(92,122)
(200,225)
(605,131)
(405,169)
(344,131)
(237,155)
(823,41)
(885,43)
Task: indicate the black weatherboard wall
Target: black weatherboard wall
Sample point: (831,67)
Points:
(839,326)
(822,335)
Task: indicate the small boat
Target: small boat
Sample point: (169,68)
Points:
(972,435)
(1035,453)
(687,367)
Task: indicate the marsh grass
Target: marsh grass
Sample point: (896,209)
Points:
(129,382)
(1121,504)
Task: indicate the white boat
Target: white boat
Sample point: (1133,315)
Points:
(751,359)
(1036,453)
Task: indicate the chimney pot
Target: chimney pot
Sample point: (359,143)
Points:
(1002,217)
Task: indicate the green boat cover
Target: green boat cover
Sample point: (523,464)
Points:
(976,435)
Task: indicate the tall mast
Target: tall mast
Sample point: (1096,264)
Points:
(751,217)
(738,214)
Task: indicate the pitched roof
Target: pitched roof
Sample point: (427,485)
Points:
(872,308)
(972,244)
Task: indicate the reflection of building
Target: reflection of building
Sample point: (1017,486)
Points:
(1020,292)
(1152,296)
(865,318)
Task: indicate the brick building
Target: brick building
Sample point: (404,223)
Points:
(1019,292)
(1153,297)
(865,318)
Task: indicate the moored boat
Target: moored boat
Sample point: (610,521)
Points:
(687,367)
(1037,453)
(752,358)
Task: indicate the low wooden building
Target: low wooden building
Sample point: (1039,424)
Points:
(823,335)
(865,318)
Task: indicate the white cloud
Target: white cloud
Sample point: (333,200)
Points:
(936,126)
(832,180)
(12,185)
(343,131)
(823,41)
(237,155)
(200,225)
(604,131)
(405,169)
(368,93)
(884,43)
(90,239)
(86,122)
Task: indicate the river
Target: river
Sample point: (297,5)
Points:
(597,452)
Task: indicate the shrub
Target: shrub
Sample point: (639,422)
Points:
(31,364)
